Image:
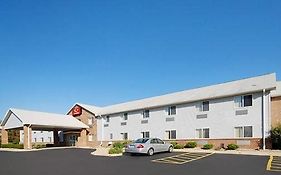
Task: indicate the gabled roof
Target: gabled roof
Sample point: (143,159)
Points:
(16,118)
(238,87)
(92,109)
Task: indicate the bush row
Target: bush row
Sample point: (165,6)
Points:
(11,145)
(193,144)
(117,147)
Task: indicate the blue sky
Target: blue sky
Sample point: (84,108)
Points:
(55,53)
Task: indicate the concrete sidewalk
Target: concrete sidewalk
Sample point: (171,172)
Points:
(239,151)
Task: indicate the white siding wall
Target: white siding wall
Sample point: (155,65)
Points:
(221,120)
(38,135)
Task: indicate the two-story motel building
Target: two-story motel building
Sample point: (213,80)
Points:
(240,112)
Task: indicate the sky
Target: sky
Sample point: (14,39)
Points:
(56,53)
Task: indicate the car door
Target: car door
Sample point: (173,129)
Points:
(162,146)
(154,144)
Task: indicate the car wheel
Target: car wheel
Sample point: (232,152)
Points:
(150,152)
(170,149)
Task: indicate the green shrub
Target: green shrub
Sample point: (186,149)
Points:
(115,150)
(275,136)
(174,143)
(11,145)
(232,146)
(39,146)
(208,146)
(178,146)
(190,145)
(118,145)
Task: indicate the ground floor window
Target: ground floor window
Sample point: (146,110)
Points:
(243,131)
(111,136)
(145,134)
(170,134)
(124,136)
(203,133)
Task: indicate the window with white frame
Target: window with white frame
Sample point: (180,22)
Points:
(124,136)
(145,134)
(170,134)
(243,101)
(125,116)
(203,133)
(243,131)
(172,110)
(145,114)
(107,119)
(205,106)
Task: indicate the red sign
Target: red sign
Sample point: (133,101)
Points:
(77,110)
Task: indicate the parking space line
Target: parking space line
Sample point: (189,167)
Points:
(182,158)
(274,163)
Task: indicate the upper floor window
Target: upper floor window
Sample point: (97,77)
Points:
(107,119)
(243,101)
(145,114)
(125,116)
(172,110)
(204,106)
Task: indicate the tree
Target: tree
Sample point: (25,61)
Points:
(275,135)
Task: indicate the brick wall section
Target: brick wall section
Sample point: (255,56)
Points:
(26,137)
(85,115)
(4,136)
(275,111)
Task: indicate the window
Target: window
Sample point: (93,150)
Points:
(238,131)
(107,118)
(245,131)
(203,133)
(145,114)
(248,100)
(248,131)
(124,136)
(205,106)
(111,136)
(171,134)
(42,139)
(90,121)
(145,134)
(125,116)
(243,101)
(35,139)
(172,110)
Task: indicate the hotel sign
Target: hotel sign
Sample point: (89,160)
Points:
(77,110)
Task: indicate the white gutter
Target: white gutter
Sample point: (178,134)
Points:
(263,119)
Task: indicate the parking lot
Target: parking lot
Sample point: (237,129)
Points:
(80,161)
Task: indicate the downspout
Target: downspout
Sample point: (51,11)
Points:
(263,119)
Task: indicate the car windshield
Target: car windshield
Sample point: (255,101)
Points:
(141,140)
